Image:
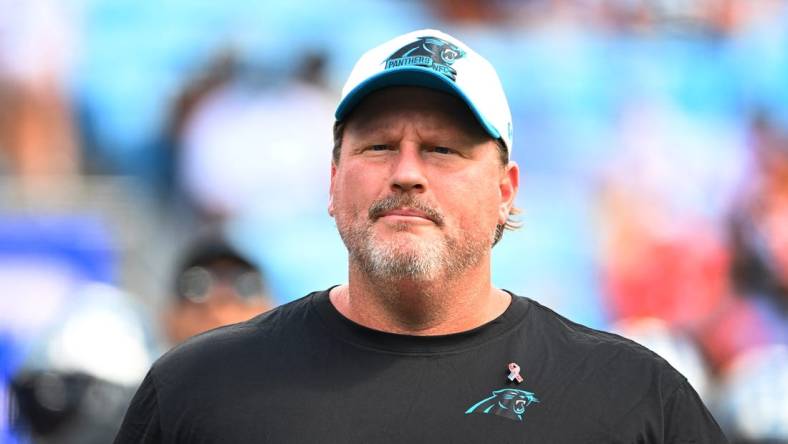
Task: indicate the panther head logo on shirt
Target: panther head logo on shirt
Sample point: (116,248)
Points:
(509,403)
(430,52)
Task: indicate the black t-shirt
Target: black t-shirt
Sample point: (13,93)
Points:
(305,373)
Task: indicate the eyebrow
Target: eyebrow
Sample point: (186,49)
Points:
(460,135)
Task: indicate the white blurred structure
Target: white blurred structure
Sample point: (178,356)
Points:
(753,400)
(677,349)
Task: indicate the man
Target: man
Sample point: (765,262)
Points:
(418,346)
(215,285)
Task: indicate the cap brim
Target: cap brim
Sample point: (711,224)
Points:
(409,76)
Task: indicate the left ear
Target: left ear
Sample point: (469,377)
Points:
(510,183)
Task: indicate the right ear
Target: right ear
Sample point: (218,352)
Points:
(331,189)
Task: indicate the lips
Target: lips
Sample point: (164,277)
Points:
(407,212)
(404,206)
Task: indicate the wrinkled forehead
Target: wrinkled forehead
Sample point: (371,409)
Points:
(381,110)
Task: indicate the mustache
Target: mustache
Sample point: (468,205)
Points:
(381,206)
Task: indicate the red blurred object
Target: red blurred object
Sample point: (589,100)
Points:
(681,280)
(736,328)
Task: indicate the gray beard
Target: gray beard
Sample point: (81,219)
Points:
(418,261)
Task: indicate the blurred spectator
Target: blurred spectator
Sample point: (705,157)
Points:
(243,135)
(759,225)
(757,314)
(62,315)
(69,407)
(37,137)
(664,195)
(237,150)
(215,285)
(753,396)
(470,11)
(220,70)
(77,379)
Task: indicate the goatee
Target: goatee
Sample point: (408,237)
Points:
(414,259)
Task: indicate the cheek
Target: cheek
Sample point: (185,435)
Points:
(476,208)
(350,191)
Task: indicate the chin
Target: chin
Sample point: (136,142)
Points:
(405,259)
(404,227)
(406,244)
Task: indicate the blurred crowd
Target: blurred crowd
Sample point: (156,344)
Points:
(164,170)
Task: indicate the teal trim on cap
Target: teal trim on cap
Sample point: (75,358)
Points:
(410,76)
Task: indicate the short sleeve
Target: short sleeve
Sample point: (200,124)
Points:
(687,420)
(141,423)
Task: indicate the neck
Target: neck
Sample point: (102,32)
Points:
(435,307)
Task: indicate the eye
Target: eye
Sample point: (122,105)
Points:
(379,147)
(443,150)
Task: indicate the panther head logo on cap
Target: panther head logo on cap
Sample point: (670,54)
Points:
(430,52)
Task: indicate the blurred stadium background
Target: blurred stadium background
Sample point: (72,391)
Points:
(653,137)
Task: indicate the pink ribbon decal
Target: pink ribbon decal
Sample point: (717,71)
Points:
(514,373)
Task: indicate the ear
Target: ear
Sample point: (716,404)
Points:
(331,189)
(510,184)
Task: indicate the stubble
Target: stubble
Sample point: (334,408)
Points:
(404,256)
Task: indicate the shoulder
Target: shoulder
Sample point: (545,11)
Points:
(563,331)
(609,355)
(619,383)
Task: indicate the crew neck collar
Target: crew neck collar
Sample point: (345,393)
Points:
(359,335)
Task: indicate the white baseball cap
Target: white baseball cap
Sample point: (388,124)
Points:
(436,60)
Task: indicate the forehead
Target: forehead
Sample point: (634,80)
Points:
(427,107)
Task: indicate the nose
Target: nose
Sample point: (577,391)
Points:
(408,171)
